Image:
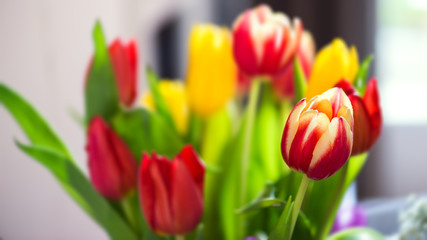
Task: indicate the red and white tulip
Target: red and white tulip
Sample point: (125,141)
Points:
(264,42)
(367,115)
(318,135)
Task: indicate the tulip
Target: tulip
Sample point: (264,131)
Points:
(111,165)
(124,61)
(333,63)
(318,134)
(211,73)
(284,84)
(173,92)
(264,42)
(367,115)
(171,192)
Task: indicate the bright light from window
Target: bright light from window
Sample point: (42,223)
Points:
(402,60)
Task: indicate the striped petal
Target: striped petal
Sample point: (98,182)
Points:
(332,150)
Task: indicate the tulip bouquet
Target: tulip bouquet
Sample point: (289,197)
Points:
(260,141)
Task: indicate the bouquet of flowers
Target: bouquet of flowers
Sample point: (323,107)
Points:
(260,141)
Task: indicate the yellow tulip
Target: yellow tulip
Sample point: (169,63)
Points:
(333,63)
(211,73)
(173,92)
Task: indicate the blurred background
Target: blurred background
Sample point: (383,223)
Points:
(45,47)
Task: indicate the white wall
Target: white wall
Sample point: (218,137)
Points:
(44,48)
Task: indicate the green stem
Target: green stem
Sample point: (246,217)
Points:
(253,99)
(130,212)
(250,119)
(179,237)
(334,205)
(305,181)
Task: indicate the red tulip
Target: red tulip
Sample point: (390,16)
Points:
(111,165)
(171,192)
(318,134)
(124,59)
(367,115)
(284,83)
(264,42)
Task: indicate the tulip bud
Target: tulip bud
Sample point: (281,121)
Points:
(318,134)
(333,63)
(211,73)
(284,84)
(367,115)
(264,42)
(112,168)
(173,92)
(171,192)
(124,60)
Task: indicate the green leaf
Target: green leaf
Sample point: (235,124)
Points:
(82,191)
(164,140)
(357,234)
(355,165)
(31,122)
(325,196)
(300,81)
(159,102)
(134,128)
(266,141)
(101,92)
(361,78)
(282,229)
(265,199)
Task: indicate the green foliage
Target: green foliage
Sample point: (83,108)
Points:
(323,199)
(159,102)
(82,191)
(101,92)
(300,82)
(49,150)
(357,234)
(134,127)
(282,229)
(361,79)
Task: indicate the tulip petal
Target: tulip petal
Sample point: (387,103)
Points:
(291,128)
(124,60)
(186,197)
(332,150)
(155,193)
(194,165)
(372,103)
(243,48)
(311,127)
(111,165)
(362,126)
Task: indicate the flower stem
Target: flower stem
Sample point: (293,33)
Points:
(298,200)
(129,211)
(179,237)
(253,99)
(250,119)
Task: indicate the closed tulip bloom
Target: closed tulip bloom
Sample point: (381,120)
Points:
(264,42)
(112,168)
(318,134)
(171,192)
(211,73)
(333,63)
(125,61)
(284,84)
(367,115)
(173,92)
